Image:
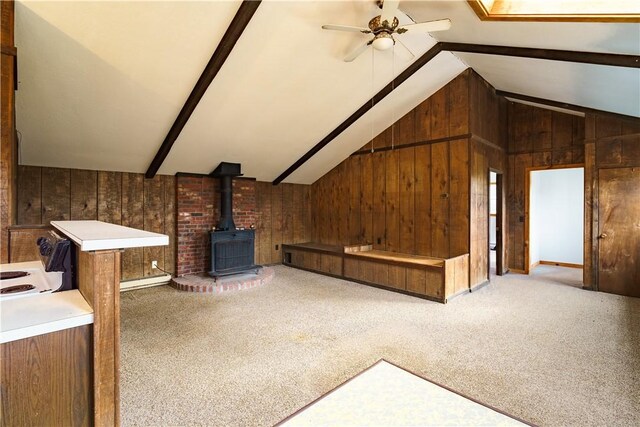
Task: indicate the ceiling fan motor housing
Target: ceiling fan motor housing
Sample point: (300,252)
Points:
(377,26)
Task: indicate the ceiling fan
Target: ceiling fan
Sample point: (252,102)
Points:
(384,26)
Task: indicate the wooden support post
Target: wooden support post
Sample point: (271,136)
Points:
(99,283)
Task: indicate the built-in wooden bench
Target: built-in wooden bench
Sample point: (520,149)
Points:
(437,279)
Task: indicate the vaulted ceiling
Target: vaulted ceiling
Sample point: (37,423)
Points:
(100,83)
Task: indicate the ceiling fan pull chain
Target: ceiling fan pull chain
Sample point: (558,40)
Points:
(393,81)
(373,86)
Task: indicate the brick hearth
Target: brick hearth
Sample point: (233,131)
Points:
(201,283)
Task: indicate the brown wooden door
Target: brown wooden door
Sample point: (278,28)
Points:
(619,231)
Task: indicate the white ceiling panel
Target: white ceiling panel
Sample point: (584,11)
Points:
(614,89)
(579,36)
(283,90)
(101,83)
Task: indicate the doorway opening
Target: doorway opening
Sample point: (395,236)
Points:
(554,230)
(496,238)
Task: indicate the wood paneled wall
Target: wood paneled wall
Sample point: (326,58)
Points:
(283,215)
(8,148)
(47,194)
(410,199)
(609,143)
(428,195)
(485,157)
(537,138)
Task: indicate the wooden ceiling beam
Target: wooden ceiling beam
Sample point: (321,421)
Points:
(402,77)
(610,59)
(226,45)
(565,105)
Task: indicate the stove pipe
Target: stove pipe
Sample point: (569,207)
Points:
(226,172)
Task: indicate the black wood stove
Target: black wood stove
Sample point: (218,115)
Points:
(231,248)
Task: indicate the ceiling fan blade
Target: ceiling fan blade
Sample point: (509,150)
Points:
(346,28)
(408,54)
(389,8)
(426,27)
(356,52)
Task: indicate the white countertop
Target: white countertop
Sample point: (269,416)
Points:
(42,314)
(98,235)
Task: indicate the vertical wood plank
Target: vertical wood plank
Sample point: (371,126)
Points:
(379,197)
(589,247)
(56,194)
(132,216)
(440,113)
(407,200)
(392,197)
(440,199)
(110,197)
(276,224)
(405,129)
(287,213)
(298,213)
(355,194)
(459,200)
(307,214)
(153,221)
(29,195)
(170,222)
(84,194)
(263,200)
(423,120)
(366,200)
(459,105)
(522,162)
(343,195)
(423,216)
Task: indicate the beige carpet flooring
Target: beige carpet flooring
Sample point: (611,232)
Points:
(537,347)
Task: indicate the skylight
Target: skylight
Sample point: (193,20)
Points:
(558,10)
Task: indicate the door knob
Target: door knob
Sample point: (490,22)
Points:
(602,236)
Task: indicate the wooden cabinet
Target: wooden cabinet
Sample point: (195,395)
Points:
(437,279)
(47,379)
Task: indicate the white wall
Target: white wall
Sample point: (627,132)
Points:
(556,212)
(493,208)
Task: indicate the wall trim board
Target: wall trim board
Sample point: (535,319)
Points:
(413,144)
(561,264)
(227,43)
(206,175)
(613,138)
(488,143)
(567,106)
(479,286)
(130,285)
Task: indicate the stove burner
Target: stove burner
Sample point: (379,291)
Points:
(12,274)
(16,289)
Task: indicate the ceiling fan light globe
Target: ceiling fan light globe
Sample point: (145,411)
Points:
(382,43)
